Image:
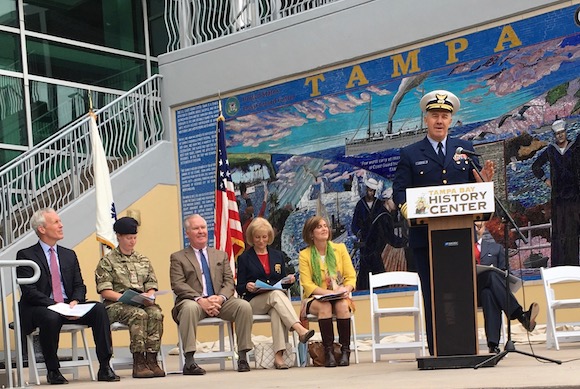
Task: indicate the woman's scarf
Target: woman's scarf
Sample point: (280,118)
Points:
(330,260)
(332,281)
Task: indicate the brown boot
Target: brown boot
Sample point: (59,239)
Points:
(327,334)
(343,326)
(153,366)
(140,369)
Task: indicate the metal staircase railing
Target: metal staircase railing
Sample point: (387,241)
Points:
(190,22)
(59,169)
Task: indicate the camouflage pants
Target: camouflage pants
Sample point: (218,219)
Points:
(145,325)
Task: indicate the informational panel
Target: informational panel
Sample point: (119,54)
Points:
(196,149)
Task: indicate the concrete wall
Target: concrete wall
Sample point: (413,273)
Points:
(337,33)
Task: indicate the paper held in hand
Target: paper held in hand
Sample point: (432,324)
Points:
(261,285)
(515,282)
(137,299)
(329,297)
(78,310)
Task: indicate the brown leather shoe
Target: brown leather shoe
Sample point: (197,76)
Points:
(193,369)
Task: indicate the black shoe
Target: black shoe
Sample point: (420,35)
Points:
(494,350)
(54,377)
(243,365)
(304,338)
(194,369)
(528,318)
(107,374)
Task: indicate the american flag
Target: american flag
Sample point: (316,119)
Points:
(227,228)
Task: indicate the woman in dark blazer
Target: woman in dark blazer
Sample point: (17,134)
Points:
(261,262)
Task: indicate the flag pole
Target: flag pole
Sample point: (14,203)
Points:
(228,232)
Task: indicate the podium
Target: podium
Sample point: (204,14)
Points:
(449,212)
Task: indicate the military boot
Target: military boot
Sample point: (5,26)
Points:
(140,369)
(153,365)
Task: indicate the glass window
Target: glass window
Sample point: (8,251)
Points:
(86,66)
(10,52)
(12,116)
(8,13)
(7,156)
(158,37)
(111,23)
(55,106)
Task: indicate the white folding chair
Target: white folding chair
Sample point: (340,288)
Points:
(416,311)
(214,356)
(551,276)
(267,319)
(66,366)
(353,346)
(124,362)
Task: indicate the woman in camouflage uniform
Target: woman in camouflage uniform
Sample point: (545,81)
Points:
(121,269)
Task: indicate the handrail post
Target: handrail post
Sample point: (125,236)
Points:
(10,267)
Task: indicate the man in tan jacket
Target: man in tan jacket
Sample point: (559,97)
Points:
(202,279)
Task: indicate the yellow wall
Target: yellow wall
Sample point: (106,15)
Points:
(159,236)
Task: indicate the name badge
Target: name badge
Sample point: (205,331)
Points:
(419,163)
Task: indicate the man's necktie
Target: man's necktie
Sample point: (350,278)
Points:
(477,253)
(55,277)
(206,274)
(440,152)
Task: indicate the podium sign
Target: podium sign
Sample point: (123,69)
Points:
(449,211)
(450,200)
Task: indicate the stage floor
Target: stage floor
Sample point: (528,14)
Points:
(514,371)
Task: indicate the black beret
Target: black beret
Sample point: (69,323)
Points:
(125,225)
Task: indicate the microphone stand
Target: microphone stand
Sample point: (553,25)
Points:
(509,345)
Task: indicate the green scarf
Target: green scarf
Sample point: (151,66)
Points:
(315,262)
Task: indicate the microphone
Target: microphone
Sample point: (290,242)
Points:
(461,150)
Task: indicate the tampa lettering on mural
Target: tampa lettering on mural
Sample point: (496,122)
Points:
(466,48)
(408,63)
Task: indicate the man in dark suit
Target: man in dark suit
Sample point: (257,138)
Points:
(431,162)
(491,291)
(202,280)
(60,281)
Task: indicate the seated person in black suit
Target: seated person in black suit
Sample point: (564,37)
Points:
(491,291)
(64,283)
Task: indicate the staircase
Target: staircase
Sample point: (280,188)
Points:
(59,170)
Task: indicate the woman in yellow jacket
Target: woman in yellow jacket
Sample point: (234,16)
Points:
(326,269)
